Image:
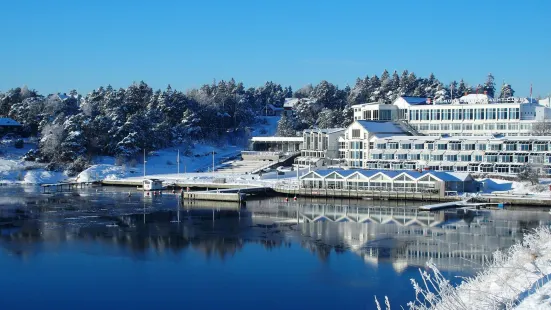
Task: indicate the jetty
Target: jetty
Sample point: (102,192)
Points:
(65,186)
(229,195)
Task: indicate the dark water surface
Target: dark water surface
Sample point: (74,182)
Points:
(104,249)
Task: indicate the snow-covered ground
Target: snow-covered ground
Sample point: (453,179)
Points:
(194,167)
(163,162)
(15,170)
(518,278)
(502,187)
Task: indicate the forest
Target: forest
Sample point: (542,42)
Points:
(72,128)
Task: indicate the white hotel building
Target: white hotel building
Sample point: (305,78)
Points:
(471,115)
(383,145)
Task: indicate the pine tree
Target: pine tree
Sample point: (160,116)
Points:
(490,86)
(285,127)
(506,91)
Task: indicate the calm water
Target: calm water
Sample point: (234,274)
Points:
(103,249)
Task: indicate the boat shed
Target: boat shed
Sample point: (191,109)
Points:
(390,181)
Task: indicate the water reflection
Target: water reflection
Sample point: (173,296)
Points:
(378,231)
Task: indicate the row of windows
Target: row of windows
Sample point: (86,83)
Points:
(464,114)
(495,168)
(471,127)
(459,146)
(465,158)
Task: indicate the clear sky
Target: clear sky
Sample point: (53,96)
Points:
(55,46)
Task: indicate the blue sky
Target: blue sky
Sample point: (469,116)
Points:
(60,45)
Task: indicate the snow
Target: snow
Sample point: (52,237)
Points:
(267,126)
(516,279)
(380,127)
(503,187)
(13,169)
(161,162)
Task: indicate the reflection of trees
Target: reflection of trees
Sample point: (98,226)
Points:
(138,235)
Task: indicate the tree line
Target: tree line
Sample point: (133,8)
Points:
(72,128)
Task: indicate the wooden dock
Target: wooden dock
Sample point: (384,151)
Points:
(65,186)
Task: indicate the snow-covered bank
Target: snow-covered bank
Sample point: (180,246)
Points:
(516,279)
(14,170)
(496,186)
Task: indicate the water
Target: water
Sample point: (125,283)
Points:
(104,249)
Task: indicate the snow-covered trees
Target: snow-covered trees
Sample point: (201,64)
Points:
(490,86)
(123,122)
(285,126)
(506,91)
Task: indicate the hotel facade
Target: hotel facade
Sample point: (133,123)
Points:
(471,115)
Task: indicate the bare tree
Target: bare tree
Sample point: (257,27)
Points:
(542,128)
(529,173)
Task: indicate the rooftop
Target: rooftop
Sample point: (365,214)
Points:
(380,127)
(6,121)
(442,175)
(325,130)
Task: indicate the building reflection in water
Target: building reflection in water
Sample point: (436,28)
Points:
(377,231)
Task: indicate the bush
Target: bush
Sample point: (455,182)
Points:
(32,155)
(19,144)
(77,166)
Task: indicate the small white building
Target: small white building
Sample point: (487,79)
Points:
(152,185)
(320,147)
(354,144)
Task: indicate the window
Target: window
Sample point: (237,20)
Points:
(434,126)
(481,147)
(513,127)
(381,146)
(419,146)
(510,147)
(456,146)
(386,115)
(446,115)
(430,146)
(442,146)
(457,115)
(478,158)
(469,147)
(355,133)
(492,113)
(541,147)
(469,114)
(388,156)
(425,116)
(466,158)
(514,113)
(495,147)
(401,156)
(451,157)
(491,158)
(414,156)
(425,157)
(393,146)
(490,126)
(506,158)
(501,126)
(406,146)
(456,127)
(478,126)
(437,157)
(502,113)
(525,147)
(468,127)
